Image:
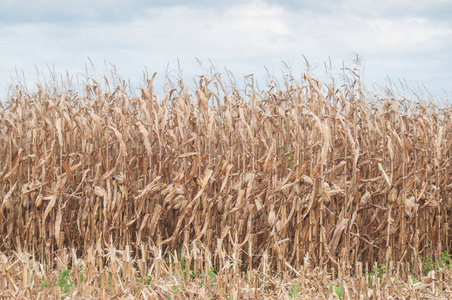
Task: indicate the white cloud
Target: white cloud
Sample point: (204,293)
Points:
(407,36)
(398,40)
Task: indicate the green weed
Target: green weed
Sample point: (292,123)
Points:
(212,277)
(339,290)
(294,291)
(378,272)
(44,284)
(64,281)
(444,262)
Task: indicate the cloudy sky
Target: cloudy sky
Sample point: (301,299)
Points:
(402,40)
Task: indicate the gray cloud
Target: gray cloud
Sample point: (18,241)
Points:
(438,10)
(74,13)
(67,12)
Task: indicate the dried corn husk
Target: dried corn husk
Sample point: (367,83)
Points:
(392,195)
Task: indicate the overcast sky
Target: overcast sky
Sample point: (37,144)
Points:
(401,39)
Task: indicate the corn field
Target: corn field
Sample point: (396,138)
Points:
(303,184)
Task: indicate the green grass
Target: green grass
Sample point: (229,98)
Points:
(212,277)
(378,272)
(64,281)
(294,291)
(44,284)
(282,151)
(188,273)
(339,290)
(444,262)
(83,270)
(177,288)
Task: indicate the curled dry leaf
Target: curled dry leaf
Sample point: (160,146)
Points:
(180,190)
(410,206)
(220,203)
(99,191)
(448,203)
(365,198)
(166,189)
(7,199)
(119,178)
(306,180)
(272,217)
(3,259)
(178,202)
(326,196)
(278,225)
(258,203)
(159,187)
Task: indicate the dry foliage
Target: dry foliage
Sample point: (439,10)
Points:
(113,274)
(305,181)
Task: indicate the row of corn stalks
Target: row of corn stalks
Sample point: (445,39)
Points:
(302,172)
